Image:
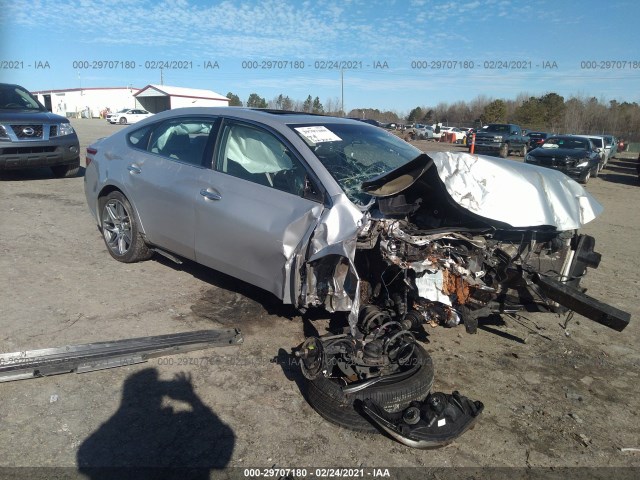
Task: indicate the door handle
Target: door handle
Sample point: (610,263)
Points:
(210,195)
(134,169)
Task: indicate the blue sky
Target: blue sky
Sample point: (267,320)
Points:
(315,34)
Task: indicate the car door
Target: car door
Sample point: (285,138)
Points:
(256,213)
(134,116)
(166,173)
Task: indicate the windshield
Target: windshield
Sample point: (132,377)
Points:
(566,142)
(498,128)
(355,153)
(13,97)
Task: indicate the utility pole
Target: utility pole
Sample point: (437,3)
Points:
(161,77)
(342,91)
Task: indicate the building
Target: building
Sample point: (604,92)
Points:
(157,98)
(94,102)
(87,102)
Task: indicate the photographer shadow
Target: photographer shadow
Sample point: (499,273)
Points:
(148,438)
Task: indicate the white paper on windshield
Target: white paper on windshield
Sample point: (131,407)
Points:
(319,134)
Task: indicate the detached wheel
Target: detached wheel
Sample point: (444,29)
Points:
(120,230)
(123,121)
(66,171)
(504,151)
(395,394)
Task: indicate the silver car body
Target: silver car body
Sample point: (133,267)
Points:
(302,249)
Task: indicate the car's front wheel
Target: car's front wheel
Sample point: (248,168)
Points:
(327,397)
(504,151)
(120,230)
(586,178)
(123,120)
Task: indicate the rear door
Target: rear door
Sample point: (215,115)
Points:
(255,215)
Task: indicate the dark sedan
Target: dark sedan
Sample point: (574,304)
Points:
(574,156)
(536,139)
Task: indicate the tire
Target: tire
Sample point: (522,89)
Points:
(327,398)
(120,230)
(504,151)
(123,121)
(586,178)
(523,152)
(66,171)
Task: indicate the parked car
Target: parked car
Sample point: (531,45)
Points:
(501,139)
(610,145)
(599,145)
(537,138)
(31,136)
(458,134)
(571,154)
(335,213)
(128,115)
(425,132)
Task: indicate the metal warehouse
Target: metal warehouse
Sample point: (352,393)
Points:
(157,98)
(94,102)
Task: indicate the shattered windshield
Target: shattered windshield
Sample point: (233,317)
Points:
(13,97)
(355,153)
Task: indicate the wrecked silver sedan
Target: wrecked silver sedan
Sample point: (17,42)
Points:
(336,213)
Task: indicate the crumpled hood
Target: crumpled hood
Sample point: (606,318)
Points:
(515,193)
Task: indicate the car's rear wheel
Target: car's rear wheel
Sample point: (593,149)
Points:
(327,397)
(123,120)
(120,230)
(66,171)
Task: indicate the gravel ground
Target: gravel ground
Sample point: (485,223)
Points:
(553,398)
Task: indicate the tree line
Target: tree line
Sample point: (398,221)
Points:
(331,106)
(549,112)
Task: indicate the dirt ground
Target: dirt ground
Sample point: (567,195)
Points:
(553,397)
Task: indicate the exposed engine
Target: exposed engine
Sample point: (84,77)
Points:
(451,276)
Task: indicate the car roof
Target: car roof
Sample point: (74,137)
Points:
(265,116)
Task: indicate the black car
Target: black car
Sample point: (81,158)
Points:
(31,136)
(575,156)
(536,139)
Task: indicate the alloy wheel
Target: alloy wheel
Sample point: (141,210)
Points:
(116,227)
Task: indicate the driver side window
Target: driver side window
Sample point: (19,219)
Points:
(259,157)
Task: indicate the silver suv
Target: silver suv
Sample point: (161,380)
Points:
(31,136)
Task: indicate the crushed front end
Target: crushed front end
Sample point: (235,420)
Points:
(448,239)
